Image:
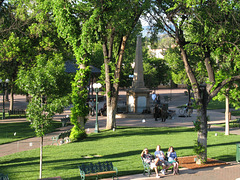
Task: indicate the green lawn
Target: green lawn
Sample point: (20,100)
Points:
(235,113)
(122,147)
(21,131)
(213,104)
(232,124)
(11,116)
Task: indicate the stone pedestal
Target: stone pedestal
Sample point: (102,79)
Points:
(137,100)
(138,94)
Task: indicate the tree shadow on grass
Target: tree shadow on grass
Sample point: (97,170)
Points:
(225,158)
(16,162)
(127,131)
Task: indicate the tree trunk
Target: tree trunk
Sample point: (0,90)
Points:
(41,157)
(227,116)
(81,122)
(6,95)
(202,134)
(111,113)
(110,117)
(202,115)
(201,96)
(112,89)
(189,93)
(11,100)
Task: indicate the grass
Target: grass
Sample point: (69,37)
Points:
(12,116)
(213,104)
(10,132)
(235,113)
(122,147)
(232,124)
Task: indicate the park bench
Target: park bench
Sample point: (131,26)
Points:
(147,168)
(63,137)
(17,112)
(64,121)
(96,169)
(3,177)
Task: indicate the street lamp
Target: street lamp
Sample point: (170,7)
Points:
(96,87)
(4,87)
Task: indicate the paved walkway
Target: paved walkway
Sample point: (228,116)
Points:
(228,172)
(178,98)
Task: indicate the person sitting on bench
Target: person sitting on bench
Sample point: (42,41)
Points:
(172,158)
(160,155)
(148,158)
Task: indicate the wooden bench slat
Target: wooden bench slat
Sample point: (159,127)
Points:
(100,173)
(92,174)
(106,172)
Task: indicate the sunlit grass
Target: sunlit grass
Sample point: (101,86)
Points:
(122,147)
(10,132)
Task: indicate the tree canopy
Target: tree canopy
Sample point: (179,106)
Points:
(206,33)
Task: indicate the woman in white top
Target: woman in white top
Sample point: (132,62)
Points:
(172,158)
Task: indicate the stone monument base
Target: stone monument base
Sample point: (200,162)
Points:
(137,100)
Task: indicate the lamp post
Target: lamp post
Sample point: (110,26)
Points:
(96,87)
(4,87)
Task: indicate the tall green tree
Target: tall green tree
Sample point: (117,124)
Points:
(108,22)
(205,28)
(117,20)
(23,35)
(45,83)
(72,19)
(13,44)
(156,72)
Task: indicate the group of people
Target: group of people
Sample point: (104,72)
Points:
(92,108)
(159,159)
(160,112)
(156,98)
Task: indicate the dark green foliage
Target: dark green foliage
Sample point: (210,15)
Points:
(45,83)
(156,72)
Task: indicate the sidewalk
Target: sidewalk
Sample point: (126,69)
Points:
(230,172)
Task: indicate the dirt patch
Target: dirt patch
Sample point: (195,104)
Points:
(188,162)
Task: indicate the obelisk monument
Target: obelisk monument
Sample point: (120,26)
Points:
(138,94)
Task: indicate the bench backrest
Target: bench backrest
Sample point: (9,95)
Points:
(3,177)
(64,134)
(144,163)
(96,167)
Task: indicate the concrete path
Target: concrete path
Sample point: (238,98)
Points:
(228,172)
(178,98)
